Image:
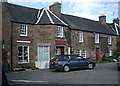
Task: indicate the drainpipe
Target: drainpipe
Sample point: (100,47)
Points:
(11,60)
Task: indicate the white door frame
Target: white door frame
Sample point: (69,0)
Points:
(43,64)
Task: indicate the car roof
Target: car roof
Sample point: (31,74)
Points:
(68,55)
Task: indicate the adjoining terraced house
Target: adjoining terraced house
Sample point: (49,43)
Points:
(32,36)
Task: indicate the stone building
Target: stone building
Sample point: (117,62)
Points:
(32,36)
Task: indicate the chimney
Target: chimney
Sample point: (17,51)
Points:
(102,19)
(56,8)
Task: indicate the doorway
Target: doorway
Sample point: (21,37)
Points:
(43,57)
(59,50)
(97,54)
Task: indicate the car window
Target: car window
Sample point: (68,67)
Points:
(73,57)
(79,57)
(66,57)
(63,57)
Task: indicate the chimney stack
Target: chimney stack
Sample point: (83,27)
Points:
(56,8)
(102,19)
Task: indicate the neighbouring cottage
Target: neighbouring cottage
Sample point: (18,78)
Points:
(32,36)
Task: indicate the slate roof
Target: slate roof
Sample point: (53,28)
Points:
(22,14)
(33,16)
(43,16)
(78,23)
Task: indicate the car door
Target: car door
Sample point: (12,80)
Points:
(74,62)
(82,62)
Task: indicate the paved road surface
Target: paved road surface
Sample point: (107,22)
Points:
(105,73)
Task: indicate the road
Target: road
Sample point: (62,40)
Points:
(105,73)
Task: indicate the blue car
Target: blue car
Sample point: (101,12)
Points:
(68,62)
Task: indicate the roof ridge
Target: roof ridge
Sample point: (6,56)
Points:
(80,17)
(22,6)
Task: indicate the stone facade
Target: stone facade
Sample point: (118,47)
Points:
(89,44)
(6,34)
(38,35)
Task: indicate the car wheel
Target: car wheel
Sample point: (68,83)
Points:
(66,68)
(90,66)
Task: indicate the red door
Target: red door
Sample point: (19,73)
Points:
(62,50)
(97,54)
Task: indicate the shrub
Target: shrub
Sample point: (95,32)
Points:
(107,59)
(117,53)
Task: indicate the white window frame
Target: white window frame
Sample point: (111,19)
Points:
(69,50)
(23,61)
(60,31)
(110,52)
(97,37)
(79,52)
(83,53)
(24,28)
(109,40)
(80,36)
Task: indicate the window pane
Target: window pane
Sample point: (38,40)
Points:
(23,30)
(59,31)
(84,53)
(80,36)
(96,38)
(23,53)
(110,52)
(109,39)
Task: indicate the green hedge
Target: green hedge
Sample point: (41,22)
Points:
(107,59)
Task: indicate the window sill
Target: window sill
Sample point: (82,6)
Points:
(23,35)
(60,37)
(81,41)
(23,62)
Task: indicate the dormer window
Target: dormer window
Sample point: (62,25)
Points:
(80,36)
(109,40)
(97,38)
(59,31)
(23,29)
